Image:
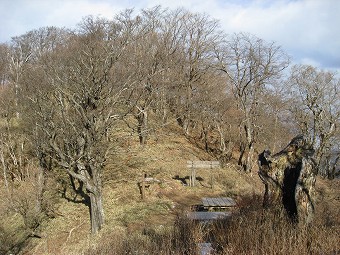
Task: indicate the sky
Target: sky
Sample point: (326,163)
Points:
(307,30)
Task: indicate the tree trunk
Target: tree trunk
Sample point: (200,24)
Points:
(242,149)
(41,182)
(96,198)
(204,136)
(142,127)
(93,184)
(249,162)
(223,146)
(4,168)
(250,142)
(96,211)
(186,125)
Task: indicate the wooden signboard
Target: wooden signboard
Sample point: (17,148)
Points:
(193,165)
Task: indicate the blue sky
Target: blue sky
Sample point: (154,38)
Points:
(308,30)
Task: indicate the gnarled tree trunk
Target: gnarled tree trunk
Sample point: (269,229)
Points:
(142,127)
(96,210)
(93,186)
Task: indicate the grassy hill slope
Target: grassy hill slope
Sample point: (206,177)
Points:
(163,158)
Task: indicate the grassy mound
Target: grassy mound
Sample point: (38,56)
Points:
(156,225)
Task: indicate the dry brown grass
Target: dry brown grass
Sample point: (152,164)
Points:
(252,231)
(258,231)
(166,240)
(157,225)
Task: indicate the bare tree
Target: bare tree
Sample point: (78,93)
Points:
(20,54)
(250,64)
(4,64)
(76,104)
(315,105)
(145,55)
(23,178)
(24,50)
(274,119)
(172,59)
(199,36)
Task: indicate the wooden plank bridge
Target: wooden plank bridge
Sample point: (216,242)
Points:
(216,203)
(210,212)
(214,208)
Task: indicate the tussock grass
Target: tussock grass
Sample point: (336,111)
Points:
(259,231)
(162,240)
(252,231)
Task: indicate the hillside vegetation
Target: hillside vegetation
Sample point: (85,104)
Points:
(85,113)
(139,223)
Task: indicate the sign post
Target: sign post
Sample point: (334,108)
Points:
(193,165)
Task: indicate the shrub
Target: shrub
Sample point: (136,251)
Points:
(252,231)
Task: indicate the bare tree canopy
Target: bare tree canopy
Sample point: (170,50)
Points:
(251,64)
(76,104)
(315,105)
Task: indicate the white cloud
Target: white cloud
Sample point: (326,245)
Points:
(20,16)
(306,29)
